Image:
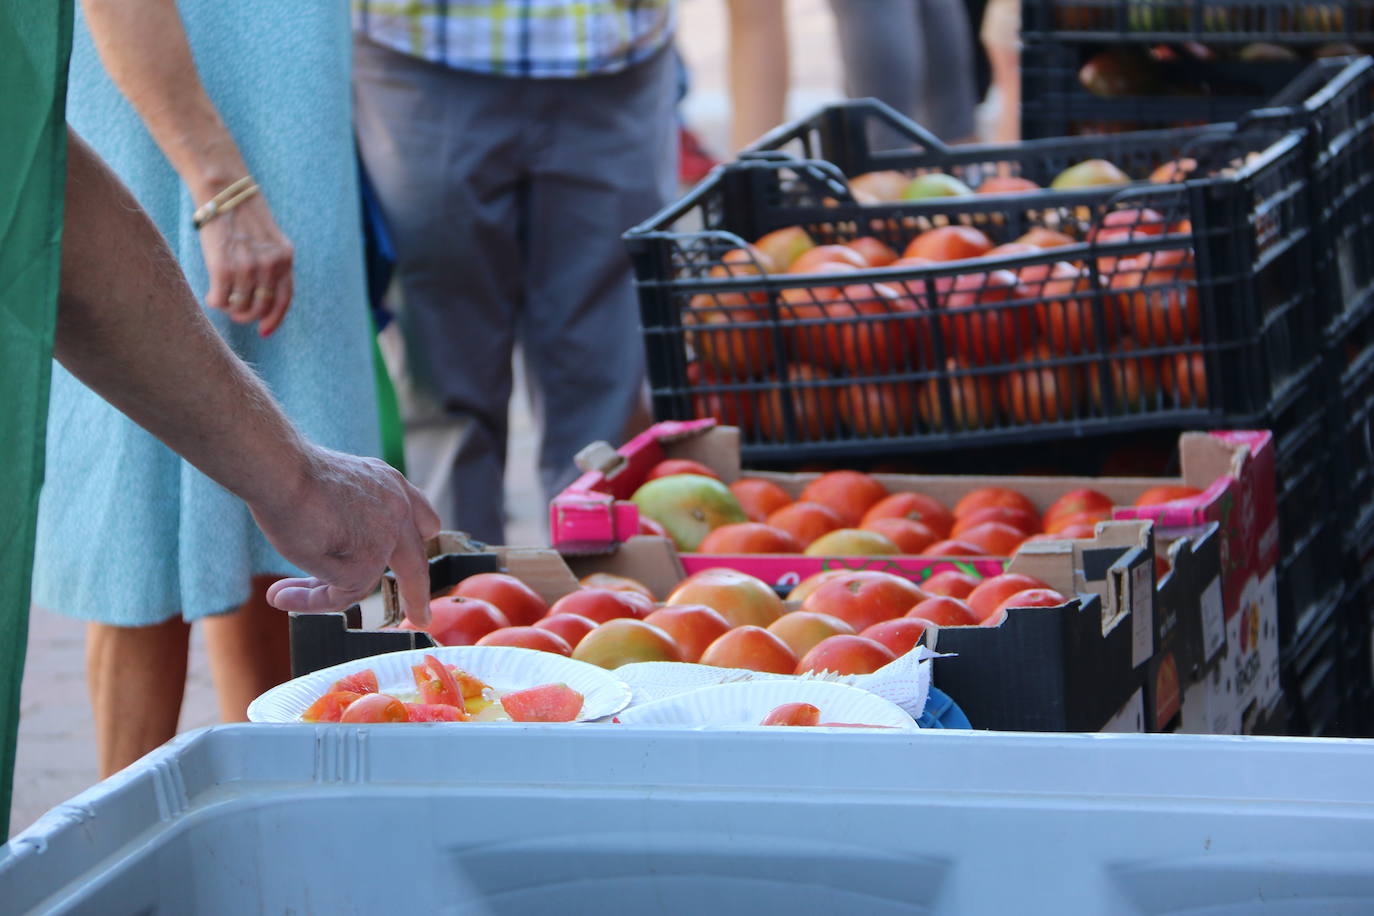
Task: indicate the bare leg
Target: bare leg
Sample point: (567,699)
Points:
(136,677)
(758,69)
(1006,76)
(250,651)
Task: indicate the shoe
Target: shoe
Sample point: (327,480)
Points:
(693,162)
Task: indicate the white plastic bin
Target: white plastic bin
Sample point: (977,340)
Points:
(504,819)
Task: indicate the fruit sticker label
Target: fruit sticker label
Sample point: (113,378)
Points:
(1252,637)
(1213,620)
(1142,614)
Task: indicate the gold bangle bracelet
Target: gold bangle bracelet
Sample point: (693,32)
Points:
(224,201)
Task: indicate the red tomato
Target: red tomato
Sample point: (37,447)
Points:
(672,466)
(456,621)
(374,707)
(330,707)
(985,335)
(520,603)
(949,243)
(793,714)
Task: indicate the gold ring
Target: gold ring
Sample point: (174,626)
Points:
(236,298)
(262,292)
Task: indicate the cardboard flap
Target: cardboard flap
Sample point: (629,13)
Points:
(541,568)
(651,560)
(453,542)
(598,457)
(716,447)
(1204,457)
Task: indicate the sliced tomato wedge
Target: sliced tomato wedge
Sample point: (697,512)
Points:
(359,682)
(470,685)
(431,691)
(448,692)
(434,712)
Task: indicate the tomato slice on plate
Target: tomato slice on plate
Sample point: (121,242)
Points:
(441,686)
(471,686)
(359,682)
(434,712)
(330,707)
(545,703)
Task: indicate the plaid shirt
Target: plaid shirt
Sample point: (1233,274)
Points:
(527,38)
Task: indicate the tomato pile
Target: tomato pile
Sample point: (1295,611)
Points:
(849,513)
(1013,343)
(446,694)
(845,622)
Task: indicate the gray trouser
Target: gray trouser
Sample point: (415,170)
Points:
(506,199)
(915,55)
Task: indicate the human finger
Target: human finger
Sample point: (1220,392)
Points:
(281,303)
(273,261)
(221,284)
(427,520)
(311,596)
(411,567)
(241,293)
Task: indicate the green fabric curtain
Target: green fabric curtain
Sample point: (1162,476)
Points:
(35,40)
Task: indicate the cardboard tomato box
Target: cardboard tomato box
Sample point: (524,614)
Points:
(1082,663)
(1069,668)
(1235,471)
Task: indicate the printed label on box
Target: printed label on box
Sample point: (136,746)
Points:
(1142,614)
(1252,639)
(1210,707)
(1130,719)
(1213,620)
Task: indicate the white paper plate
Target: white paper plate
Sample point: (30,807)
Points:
(747,702)
(503,667)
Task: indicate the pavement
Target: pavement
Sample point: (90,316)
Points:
(56,755)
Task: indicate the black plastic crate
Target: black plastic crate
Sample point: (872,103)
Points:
(1335,99)
(1207,22)
(1311,582)
(717,333)
(1312,667)
(1355,445)
(1056,102)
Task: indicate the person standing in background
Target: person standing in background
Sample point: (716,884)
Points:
(1001,36)
(758,68)
(510,147)
(231,125)
(915,55)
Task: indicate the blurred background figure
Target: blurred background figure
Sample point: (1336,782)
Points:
(1001,37)
(915,55)
(694,161)
(509,154)
(758,68)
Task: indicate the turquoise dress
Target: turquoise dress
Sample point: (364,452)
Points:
(128,533)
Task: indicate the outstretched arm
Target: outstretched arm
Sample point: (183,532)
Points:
(129,329)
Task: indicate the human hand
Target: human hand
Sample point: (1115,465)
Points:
(344,523)
(249,262)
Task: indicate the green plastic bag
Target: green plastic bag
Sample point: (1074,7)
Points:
(388,411)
